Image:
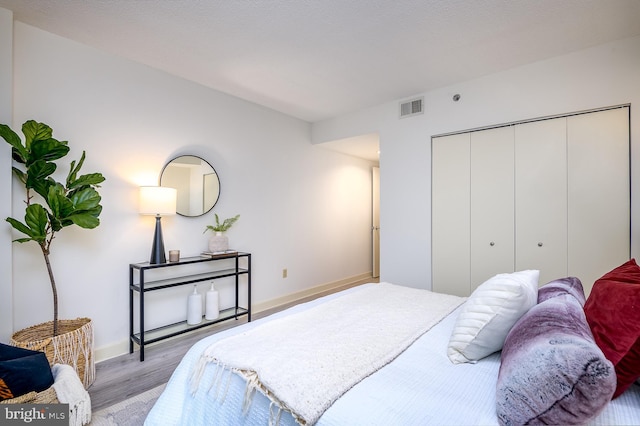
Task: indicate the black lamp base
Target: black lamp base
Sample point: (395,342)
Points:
(157,249)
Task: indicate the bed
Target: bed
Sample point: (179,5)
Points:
(418,385)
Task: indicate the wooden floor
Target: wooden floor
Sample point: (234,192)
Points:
(125,376)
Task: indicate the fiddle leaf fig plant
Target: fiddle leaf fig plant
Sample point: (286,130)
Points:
(224,226)
(74,202)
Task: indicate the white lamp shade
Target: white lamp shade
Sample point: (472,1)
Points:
(158,200)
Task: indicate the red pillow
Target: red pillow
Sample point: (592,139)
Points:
(613,314)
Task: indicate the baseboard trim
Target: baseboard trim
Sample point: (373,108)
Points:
(107,352)
(313,292)
(121,348)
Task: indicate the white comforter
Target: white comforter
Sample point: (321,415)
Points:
(420,387)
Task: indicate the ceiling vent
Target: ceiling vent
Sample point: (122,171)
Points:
(412,107)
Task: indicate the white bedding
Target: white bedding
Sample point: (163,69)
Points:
(420,387)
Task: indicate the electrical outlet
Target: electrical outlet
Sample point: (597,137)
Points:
(284,273)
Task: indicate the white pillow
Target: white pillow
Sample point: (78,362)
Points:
(487,316)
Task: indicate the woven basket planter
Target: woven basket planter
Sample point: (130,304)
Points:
(73,345)
(48,396)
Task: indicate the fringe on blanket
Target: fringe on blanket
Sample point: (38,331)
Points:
(222,380)
(196,376)
(274,418)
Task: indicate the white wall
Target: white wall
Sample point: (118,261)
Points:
(597,77)
(302,208)
(6,78)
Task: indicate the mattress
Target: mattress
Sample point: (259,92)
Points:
(421,386)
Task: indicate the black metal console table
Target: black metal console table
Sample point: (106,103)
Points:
(141,285)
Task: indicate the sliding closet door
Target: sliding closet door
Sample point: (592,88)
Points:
(492,200)
(450,211)
(552,195)
(541,198)
(599,194)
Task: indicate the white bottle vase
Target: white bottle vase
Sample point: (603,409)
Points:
(212,308)
(194,307)
(218,242)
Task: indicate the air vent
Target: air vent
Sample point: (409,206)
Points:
(412,107)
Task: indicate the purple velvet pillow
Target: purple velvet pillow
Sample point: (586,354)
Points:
(552,372)
(562,286)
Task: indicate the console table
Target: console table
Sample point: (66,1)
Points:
(139,283)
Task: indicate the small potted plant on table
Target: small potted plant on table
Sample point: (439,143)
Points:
(219,242)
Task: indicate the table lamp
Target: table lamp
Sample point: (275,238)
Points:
(158,201)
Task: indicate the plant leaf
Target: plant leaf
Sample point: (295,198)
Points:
(84,180)
(19,226)
(73,170)
(34,131)
(37,177)
(224,226)
(36,219)
(57,223)
(85,199)
(17,157)
(230,221)
(22,176)
(13,139)
(61,206)
(22,240)
(94,211)
(85,220)
(48,150)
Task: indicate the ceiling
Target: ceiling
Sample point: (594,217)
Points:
(317,59)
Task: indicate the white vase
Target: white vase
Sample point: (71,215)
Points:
(218,242)
(212,308)
(194,307)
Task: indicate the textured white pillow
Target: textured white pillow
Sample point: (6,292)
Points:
(487,316)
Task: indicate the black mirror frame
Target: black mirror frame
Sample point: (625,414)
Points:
(214,172)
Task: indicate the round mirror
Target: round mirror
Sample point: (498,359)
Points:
(197,184)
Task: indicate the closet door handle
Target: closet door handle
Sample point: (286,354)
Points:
(540,244)
(492,244)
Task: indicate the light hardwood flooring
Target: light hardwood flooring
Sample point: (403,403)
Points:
(125,376)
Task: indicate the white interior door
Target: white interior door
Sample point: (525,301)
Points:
(599,193)
(375,219)
(450,212)
(492,204)
(541,198)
